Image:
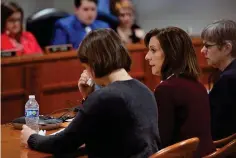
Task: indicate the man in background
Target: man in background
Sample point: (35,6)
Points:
(72,29)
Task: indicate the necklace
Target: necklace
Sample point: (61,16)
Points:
(168,77)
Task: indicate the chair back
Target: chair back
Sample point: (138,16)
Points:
(229,150)
(224,141)
(182,149)
(41,24)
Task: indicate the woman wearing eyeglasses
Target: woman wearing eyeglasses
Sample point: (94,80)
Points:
(12,35)
(219,49)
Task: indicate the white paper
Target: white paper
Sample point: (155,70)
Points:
(42,132)
(69,120)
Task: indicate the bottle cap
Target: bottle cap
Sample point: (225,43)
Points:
(31,96)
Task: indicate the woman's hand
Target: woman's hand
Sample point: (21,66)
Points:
(85,84)
(26,132)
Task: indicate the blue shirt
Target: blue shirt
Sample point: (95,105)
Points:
(70,30)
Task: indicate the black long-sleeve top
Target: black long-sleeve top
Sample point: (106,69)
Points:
(223,103)
(119,120)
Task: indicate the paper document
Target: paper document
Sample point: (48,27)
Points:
(69,120)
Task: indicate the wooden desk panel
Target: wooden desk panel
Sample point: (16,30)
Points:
(60,83)
(13,92)
(53,78)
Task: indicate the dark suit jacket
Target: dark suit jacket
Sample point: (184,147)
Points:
(70,30)
(223,103)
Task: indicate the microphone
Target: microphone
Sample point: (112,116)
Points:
(45,123)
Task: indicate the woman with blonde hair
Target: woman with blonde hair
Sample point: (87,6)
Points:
(127,29)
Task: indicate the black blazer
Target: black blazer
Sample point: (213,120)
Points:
(223,103)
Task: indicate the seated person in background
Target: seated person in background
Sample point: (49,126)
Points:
(219,39)
(13,37)
(72,29)
(113,5)
(119,120)
(127,29)
(183,103)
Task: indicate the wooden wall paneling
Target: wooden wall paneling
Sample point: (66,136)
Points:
(33,81)
(53,78)
(60,84)
(137,67)
(12,92)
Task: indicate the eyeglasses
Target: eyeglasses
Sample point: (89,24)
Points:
(207,46)
(13,20)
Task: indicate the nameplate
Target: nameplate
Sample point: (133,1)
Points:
(8,54)
(59,48)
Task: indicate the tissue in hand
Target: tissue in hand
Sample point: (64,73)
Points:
(42,132)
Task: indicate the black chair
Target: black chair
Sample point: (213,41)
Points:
(41,24)
(108,18)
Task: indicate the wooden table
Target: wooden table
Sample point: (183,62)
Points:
(11,145)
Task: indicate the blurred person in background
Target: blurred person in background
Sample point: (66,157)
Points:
(73,29)
(13,36)
(219,40)
(180,97)
(127,29)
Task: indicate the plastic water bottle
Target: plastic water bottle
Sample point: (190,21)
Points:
(32,113)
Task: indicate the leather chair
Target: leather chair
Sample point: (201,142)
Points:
(108,18)
(224,141)
(229,151)
(41,24)
(182,149)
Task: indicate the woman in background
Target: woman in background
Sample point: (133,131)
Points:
(13,37)
(219,39)
(118,120)
(183,103)
(127,29)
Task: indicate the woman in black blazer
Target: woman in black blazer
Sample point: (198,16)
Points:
(219,49)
